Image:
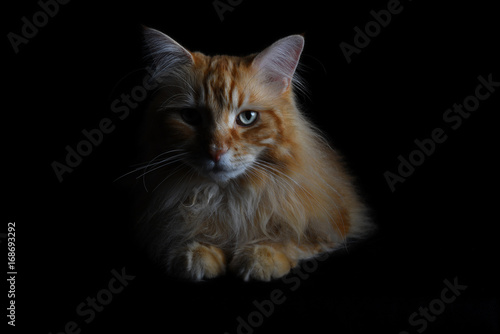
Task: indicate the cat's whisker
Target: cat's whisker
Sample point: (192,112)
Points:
(171,174)
(152,164)
(156,168)
(148,164)
(273,171)
(163,164)
(159,155)
(255,172)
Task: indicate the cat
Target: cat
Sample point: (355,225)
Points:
(238,179)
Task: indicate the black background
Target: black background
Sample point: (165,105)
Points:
(439,224)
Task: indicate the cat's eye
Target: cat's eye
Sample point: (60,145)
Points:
(191,116)
(247,118)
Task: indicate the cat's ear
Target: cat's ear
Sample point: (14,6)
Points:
(279,61)
(164,52)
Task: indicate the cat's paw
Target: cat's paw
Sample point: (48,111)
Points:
(261,262)
(197,261)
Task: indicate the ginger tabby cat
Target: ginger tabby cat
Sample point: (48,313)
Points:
(242,180)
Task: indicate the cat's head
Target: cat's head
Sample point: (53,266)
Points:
(224,116)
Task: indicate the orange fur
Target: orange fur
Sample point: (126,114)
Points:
(280,194)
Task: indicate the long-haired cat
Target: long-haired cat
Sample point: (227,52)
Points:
(238,178)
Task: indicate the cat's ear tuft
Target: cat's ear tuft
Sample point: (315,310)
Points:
(279,61)
(163,51)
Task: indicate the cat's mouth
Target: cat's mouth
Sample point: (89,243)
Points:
(218,169)
(221,172)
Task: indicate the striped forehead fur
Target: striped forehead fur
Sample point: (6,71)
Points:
(172,65)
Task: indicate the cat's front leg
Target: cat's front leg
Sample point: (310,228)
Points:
(261,261)
(197,260)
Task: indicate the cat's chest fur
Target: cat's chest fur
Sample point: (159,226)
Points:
(224,214)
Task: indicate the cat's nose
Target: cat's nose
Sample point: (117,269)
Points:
(217,153)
